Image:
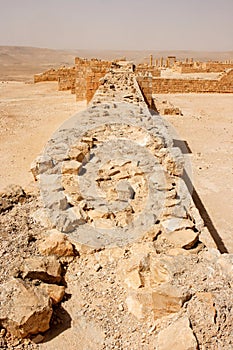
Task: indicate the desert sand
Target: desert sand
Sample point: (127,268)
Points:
(29,114)
(207,127)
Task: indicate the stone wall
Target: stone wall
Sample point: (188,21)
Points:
(145,84)
(144,69)
(201,67)
(49,75)
(223,84)
(65,76)
(88,74)
(149,85)
(66,79)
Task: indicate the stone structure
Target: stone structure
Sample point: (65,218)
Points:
(84,78)
(111,180)
(112,190)
(66,78)
(49,75)
(88,74)
(190,66)
(149,85)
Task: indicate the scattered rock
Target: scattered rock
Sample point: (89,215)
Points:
(45,269)
(178,336)
(183,238)
(55,292)
(10,196)
(24,310)
(38,338)
(56,243)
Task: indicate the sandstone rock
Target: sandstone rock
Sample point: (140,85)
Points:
(24,310)
(162,301)
(207,301)
(168,299)
(56,243)
(225,262)
(178,336)
(55,292)
(71,167)
(175,224)
(177,251)
(206,238)
(45,269)
(174,161)
(11,195)
(183,238)
(40,165)
(79,152)
(38,339)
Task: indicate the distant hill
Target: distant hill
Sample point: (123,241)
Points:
(21,63)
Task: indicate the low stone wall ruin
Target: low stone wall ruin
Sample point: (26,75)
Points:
(49,75)
(149,85)
(127,242)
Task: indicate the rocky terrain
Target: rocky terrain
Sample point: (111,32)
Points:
(150,294)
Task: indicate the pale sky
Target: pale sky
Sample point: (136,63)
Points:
(118,24)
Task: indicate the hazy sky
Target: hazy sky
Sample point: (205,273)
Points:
(118,24)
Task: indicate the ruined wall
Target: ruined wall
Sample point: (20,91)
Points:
(146,86)
(65,76)
(163,86)
(88,74)
(144,69)
(201,67)
(66,79)
(49,75)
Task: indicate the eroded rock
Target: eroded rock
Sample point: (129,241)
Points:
(56,243)
(45,269)
(178,336)
(24,310)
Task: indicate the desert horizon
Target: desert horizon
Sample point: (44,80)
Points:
(20,63)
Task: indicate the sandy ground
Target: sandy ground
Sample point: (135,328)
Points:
(29,114)
(207,127)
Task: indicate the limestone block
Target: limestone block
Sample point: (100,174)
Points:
(79,152)
(174,161)
(55,292)
(40,165)
(183,238)
(71,167)
(168,299)
(46,269)
(158,302)
(24,310)
(178,336)
(56,243)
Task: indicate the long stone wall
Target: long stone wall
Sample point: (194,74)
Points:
(150,85)
(112,180)
(201,67)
